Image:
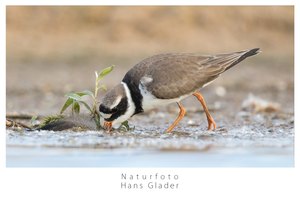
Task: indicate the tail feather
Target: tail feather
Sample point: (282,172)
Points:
(244,55)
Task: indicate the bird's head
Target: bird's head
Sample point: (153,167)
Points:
(116,107)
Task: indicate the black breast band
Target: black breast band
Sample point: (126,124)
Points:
(136,95)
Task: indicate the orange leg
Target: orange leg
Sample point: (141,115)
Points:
(210,120)
(180,116)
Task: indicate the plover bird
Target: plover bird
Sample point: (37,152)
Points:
(163,79)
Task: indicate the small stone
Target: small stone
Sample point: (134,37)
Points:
(191,122)
(220,91)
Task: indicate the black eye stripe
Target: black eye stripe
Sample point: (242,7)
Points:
(119,110)
(105,110)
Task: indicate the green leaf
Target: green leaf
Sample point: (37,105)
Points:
(124,126)
(104,72)
(86,105)
(50,119)
(33,120)
(84,93)
(66,105)
(103,87)
(76,107)
(73,95)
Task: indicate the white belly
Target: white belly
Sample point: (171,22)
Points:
(149,101)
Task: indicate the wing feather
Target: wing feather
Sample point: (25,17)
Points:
(175,75)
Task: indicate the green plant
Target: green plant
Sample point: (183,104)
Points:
(49,119)
(75,99)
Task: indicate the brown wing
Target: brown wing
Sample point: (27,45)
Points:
(175,75)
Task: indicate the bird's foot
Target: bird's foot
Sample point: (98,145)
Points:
(211,124)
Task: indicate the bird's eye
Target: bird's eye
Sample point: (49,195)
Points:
(114,110)
(104,109)
(107,112)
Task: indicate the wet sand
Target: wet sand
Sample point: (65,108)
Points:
(242,139)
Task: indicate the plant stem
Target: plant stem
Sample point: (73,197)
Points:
(95,113)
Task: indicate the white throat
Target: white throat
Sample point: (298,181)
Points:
(130,108)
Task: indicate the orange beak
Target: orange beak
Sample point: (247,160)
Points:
(108,126)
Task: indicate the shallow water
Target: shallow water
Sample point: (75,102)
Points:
(257,140)
(73,157)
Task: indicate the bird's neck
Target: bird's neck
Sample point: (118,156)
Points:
(134,96)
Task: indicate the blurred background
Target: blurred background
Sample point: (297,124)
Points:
(52,50)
